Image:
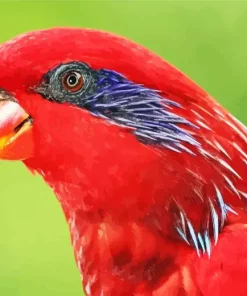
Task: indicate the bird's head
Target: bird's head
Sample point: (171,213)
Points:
(65,87)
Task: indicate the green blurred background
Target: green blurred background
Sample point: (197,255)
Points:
(206,40)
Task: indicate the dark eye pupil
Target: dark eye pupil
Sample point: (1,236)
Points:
(72,80)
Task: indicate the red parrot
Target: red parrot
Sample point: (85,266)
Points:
(150,171)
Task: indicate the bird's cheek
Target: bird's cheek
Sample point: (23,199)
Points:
(16,132)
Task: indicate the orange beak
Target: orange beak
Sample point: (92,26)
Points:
(16,138)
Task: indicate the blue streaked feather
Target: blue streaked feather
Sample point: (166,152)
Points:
(194,238)
(200,239)
(215,221)
(207,243)
(138,107)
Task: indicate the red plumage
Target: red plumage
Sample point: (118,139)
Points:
(122,198)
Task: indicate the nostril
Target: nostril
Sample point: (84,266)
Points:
(6,96)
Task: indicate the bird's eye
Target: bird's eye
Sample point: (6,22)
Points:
(72,81)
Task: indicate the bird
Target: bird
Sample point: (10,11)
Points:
(149,169)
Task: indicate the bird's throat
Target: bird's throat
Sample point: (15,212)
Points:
(126,258)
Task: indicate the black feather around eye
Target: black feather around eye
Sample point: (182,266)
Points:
(53,88)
